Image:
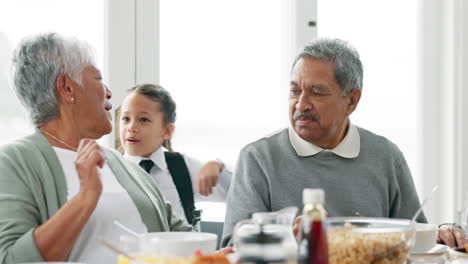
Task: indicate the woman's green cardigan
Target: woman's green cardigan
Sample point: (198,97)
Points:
(33,188)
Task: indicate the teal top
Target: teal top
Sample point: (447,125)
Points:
(33,188)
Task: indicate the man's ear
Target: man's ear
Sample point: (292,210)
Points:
(169,131)
(353,99)
(64,89)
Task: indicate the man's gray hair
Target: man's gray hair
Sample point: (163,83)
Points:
(348,66)
(37,61)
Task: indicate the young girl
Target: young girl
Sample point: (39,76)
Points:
(147,117)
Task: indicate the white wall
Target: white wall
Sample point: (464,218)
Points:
(444,123)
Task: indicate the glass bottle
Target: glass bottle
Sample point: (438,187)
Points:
(313,244)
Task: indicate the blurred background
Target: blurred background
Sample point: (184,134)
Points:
(227,66)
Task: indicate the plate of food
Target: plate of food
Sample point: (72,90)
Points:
(368,240)
(438,249)
(195,259)
(459,253)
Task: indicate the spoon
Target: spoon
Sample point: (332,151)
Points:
(128,230)
(389,251)
(413,220)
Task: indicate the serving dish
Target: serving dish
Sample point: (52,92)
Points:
(368,240)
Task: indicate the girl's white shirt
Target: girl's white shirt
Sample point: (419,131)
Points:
(160,173)
(114,204)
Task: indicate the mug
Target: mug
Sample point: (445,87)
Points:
(425,238)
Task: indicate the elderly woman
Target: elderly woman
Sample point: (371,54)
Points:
(59,190)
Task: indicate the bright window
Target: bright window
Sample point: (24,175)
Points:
(221,60)
(20,18)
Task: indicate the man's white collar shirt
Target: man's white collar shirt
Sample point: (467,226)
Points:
(348,148)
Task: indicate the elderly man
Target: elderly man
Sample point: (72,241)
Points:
(362,173)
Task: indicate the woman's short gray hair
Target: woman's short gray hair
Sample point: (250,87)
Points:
(37,61)
(348,66)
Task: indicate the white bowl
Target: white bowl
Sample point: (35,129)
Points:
(426,238)
(177,243)
(366,237)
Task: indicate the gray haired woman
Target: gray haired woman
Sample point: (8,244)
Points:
(60,190)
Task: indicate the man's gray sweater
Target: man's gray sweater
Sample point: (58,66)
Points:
(270,176)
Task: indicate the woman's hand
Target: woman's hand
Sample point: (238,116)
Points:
(208,177)
(56,237)
(88,159)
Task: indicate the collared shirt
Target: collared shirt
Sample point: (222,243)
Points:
(348,147)
(160,172)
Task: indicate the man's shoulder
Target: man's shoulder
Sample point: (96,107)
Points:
(270,141)
(375,142)
(268,148)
